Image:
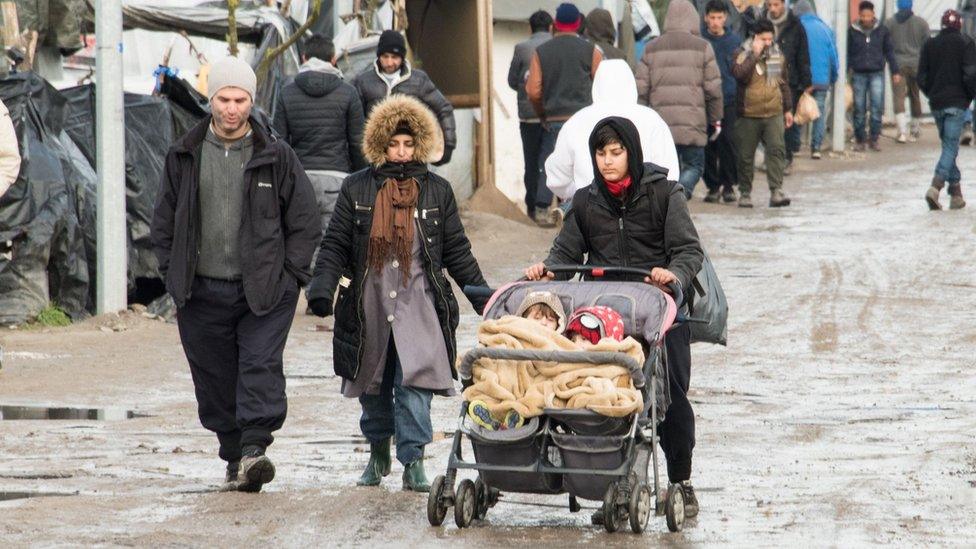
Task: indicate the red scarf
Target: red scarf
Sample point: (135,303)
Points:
(618,188)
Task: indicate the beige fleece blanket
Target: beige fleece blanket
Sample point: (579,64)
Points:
(529,386)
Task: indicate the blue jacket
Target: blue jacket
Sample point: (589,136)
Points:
(724,47)
(823,51)
(867,49)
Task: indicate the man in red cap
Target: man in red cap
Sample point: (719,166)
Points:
(947,76)
(560,79)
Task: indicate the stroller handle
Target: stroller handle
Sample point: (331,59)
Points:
(600,272)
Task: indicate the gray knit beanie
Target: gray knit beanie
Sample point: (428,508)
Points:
(549,299)
(231,72)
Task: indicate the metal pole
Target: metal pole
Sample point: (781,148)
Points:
(841,22)
(111,290)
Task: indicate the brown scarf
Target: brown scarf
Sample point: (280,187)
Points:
(391,235)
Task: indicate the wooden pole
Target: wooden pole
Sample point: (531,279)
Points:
(11,26)
(486,145)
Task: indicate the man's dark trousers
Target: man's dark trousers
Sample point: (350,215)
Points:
(720,155)
(677,431)
(531,147)
(236,362)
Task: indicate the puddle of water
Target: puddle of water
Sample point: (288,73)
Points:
(62,413)
(8,496)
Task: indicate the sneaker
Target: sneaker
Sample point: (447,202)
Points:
(541,217)
(815,154)
(513,420)
(788,170)
(915,134)
(691,502)
(745,201)
(778,200)
(875,146)
(713,196)
(256,470)
(860,146)
(902,138)
(728,196)
(480,414)
(556,216)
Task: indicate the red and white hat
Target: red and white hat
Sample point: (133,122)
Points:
(595,323)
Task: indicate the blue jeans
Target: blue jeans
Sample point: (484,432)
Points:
(691,161)
(950,122)
(819,126)
(867,84)
(398,410)
(531,143)
(550,131)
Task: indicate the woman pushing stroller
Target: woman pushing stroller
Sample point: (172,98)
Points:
(395,228)
(632,216)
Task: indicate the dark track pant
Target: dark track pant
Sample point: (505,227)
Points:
(236,364)
(677,431)
(531,147)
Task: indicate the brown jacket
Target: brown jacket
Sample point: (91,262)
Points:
(757,98)
(679,77)
(534,83)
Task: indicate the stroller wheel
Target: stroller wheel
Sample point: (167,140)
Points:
(674,508)
(481,497)
(436,509)
(640,508)
(465,503)
(611,519)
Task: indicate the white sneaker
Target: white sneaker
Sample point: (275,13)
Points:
(902,138)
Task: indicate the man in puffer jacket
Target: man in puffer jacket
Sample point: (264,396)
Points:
(392,73)
(868,46)
(908,33)
(679,78)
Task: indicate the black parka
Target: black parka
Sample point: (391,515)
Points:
(279,229)
(343,254)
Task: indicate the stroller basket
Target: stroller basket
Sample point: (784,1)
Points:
(521,447)
(585,422)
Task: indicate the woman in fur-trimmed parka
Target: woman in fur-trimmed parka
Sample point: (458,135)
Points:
(395,230)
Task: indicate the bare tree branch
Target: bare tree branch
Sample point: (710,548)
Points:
(232,26)
(273,53)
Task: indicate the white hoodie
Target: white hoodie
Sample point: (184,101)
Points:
(570,168)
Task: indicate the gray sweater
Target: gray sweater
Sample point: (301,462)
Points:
(221,205)
(907,39)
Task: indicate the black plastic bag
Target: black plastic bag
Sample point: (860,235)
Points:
(708,306)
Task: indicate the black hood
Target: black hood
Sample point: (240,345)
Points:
(630,139)
(317,83)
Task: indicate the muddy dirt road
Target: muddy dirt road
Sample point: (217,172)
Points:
(843,411)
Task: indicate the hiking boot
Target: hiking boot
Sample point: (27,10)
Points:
(860,146)
(378,466)
(778,200)
(728,195)
(713,196)
(230,477)
(932,194)
(480,414)
(816,154)
(691,502)
(256,470)
(415,478)
(902,138)
(745,201)
(875,146)
(956,202)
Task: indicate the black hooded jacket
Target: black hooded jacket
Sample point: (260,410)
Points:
(650,227)
(321,117)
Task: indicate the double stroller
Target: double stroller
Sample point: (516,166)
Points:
(579,452)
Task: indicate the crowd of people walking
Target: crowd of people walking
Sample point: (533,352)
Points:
(340,180)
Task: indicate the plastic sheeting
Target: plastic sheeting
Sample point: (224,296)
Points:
(49,213)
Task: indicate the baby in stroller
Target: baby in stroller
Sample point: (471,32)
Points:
(505,395)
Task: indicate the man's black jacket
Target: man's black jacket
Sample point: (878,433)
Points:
(278,232)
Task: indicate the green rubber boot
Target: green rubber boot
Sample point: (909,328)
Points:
(378,466)
(415,478)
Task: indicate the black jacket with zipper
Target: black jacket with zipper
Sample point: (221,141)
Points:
(947,70)
(279,229)
(644,230)
(343,254)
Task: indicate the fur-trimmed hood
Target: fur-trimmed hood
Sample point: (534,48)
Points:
(390,113)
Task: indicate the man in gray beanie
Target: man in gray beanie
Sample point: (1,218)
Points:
(234,229)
